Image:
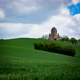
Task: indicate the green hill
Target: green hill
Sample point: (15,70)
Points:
(19,60)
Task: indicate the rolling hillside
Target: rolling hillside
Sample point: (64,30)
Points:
(19,60)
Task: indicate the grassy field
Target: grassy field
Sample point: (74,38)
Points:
(20,61)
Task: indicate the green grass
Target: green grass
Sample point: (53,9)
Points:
(20,61)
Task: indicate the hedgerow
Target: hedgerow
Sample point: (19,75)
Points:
(54,47)
(38,46)
(68,50)
(48,46)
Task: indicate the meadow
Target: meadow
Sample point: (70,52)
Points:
(20,61)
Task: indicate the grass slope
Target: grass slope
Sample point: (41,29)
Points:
(19,60)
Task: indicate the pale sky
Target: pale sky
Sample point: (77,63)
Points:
(35,18)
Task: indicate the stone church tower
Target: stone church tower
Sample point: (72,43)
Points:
(54,34)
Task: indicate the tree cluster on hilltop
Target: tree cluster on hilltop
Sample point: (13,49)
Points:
(65,38)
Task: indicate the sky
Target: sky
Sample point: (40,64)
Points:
(35,18)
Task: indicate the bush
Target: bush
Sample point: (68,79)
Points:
(38,46)
(48,46)
(54,47)
(57,48)
(51,47)
(45,46)
(68,50)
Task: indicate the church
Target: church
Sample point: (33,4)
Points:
(53,35)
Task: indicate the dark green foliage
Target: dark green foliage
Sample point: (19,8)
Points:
(38,46)
(55,39)
(65,38)
(45,46)
(73,41)
(62,39)
(48,46)
(68,50)
(79,40)
(55,47)
(52,47)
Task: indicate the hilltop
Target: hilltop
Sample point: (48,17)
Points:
(19,59)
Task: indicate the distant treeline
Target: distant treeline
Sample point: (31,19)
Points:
(65,38)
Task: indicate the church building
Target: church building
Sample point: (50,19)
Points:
(53,35)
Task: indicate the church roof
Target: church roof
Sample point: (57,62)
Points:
(53,28)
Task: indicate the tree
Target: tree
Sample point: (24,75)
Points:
(61,37)
(45,36)
(65,38)
(79,42)
(73,41)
